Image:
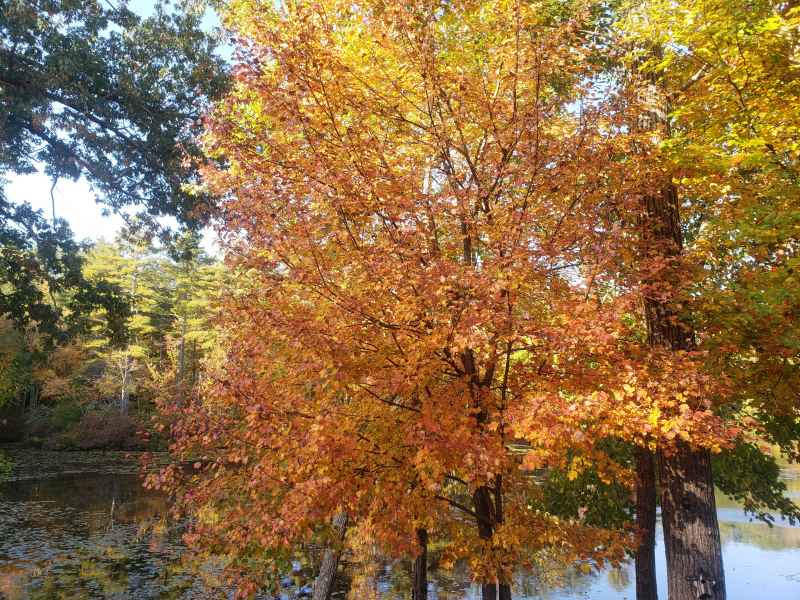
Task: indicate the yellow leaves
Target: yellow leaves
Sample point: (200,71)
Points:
(653,417)
(576,466)
(208,515)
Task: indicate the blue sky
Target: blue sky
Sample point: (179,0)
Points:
(74,200)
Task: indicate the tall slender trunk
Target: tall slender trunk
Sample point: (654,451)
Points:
(503,589)
(688,508)
(182,351)
(488,513)
(32,394)
(419,589)
(330,560)
(124,393)
(645,559)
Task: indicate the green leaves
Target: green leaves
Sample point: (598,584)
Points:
(752,477)
(92,90)
(41,274)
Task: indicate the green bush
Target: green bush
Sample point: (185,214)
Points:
(44,424)
(5,467)
(65,415)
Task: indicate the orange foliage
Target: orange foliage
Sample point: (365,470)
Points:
(429,215)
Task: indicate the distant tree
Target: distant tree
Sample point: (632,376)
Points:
(168,331)
(90,89)
(197,281)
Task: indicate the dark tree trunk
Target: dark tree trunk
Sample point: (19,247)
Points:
(503,589)
(330,560)
(419,590)
(485,513)
(688,509)
(691,530)
(489,514)
(646,587)
(505,592)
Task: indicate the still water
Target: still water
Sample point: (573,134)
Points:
(80,526)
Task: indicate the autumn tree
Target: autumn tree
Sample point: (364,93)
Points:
(726,158)
(733,148)
(423,209)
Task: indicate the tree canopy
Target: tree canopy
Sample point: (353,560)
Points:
(90,89)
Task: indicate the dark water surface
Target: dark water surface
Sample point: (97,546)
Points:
(78,525)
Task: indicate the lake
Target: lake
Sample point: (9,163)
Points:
(78,525)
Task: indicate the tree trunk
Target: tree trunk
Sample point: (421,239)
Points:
(694,552)
(691,530)
(485,515)
(503,589)
(330,560)
(688,510)
(124,393)
(646,586)
(488,515)
(419,590)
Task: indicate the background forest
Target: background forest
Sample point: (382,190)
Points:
(98,389)
(94,333)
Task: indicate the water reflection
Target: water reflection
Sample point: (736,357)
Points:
(80,526)
(89,531)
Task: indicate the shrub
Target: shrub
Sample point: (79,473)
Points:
(106,430)
(101,430)
(5,467)
(38,422)
(65,415)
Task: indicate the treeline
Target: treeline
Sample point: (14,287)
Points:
(92,336)
(98,388)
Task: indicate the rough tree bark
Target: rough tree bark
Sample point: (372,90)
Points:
(419,589)
(691,530)
(645,559)
(489,515)
(323,584)
(688,507)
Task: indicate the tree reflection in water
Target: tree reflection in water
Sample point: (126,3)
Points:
(80,526)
